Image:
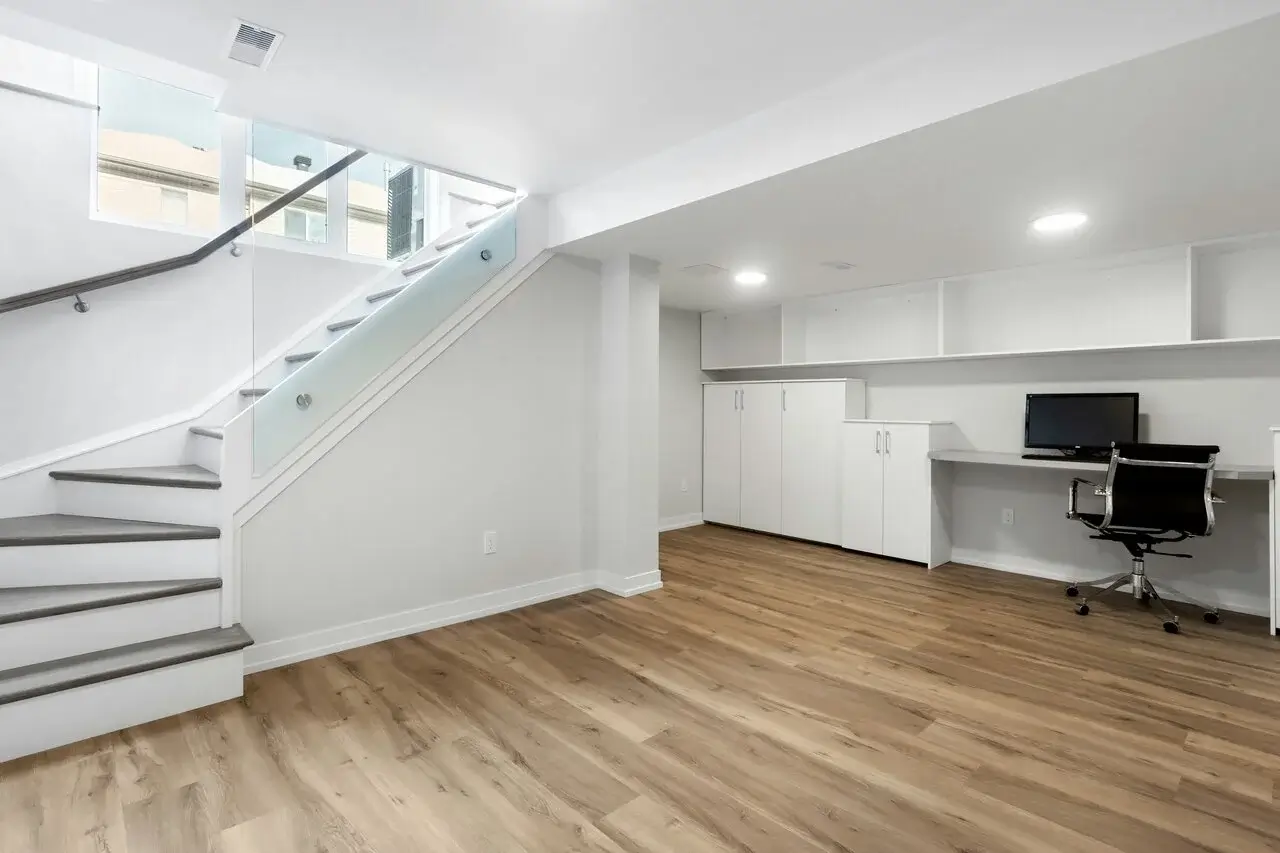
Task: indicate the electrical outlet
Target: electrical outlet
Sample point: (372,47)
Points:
(684,485)
(1006,516)
(491,541)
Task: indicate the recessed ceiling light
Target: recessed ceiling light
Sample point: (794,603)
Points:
(1059,223)
(750,278)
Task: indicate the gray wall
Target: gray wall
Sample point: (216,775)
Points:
(680,405)
(386,530)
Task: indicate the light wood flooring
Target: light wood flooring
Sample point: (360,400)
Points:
(774,696)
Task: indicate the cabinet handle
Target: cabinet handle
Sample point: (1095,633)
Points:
(743,392)
(784,399)
(877,441)
(886,442)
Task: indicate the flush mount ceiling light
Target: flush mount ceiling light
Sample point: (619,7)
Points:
(1060,223)
(751,278)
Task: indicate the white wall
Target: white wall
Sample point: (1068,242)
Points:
(1229,397)
(386,530)
(680,408)
(147,348)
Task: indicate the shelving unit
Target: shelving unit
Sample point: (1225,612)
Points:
(1214,294)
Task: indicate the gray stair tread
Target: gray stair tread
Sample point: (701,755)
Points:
(81,530)
(385,294)
(41,679)
(208,432)
(344,324)
(253,392)
(454,241)
(425,265)
(176,476)
(301,356)
(38,602)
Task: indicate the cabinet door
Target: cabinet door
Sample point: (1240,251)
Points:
(721,453)
(906,492)
(812,417)
(762,457)
(862,524)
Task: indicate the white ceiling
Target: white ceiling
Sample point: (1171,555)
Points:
(543,94)
(1179,146)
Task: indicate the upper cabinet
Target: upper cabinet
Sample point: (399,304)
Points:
(1210,294)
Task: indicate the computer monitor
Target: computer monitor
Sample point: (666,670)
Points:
(1080,423)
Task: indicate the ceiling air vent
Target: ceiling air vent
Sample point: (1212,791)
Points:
(252,44)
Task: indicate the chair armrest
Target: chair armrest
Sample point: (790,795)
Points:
(1071,495)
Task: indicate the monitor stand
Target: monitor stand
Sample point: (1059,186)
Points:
(1078,454)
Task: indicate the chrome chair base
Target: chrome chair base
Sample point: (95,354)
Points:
(1144,592)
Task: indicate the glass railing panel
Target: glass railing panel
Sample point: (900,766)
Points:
(315,392)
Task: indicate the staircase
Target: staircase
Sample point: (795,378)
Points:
(111,609)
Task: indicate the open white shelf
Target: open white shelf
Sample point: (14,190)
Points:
(1220,294)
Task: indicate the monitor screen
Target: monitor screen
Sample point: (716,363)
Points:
(1090,421)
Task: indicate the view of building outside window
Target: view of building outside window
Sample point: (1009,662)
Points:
(158,153)
(280,160)
(372,181)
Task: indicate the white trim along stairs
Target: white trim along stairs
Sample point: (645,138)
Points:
(122,606)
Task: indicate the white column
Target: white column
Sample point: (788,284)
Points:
(627,444)
(336,193)
(233,170)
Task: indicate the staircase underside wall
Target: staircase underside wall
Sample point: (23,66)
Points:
(383,535)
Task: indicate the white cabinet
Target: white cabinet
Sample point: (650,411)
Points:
(721,453)
(888,491)
(812,415)
(863,516)
(771,455)
(761,405)
(907,494)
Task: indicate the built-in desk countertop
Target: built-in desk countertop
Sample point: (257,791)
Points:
(1222,471)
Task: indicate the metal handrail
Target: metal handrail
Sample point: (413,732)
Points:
(98,282)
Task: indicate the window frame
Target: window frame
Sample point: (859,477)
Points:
(88,76)
(233,184)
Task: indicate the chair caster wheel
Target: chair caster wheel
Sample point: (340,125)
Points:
(1171,627)
(1082,609)
(1211,617)
(1073,591)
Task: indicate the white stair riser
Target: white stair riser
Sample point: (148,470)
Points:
(205,452)
(142,503)
(56,637)
(45,722)
(108,562)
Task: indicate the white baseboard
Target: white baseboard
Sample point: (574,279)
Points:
(1234,601)
(631,584)
(277,653)
(675,522)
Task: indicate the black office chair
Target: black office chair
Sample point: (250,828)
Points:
(1155,494)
